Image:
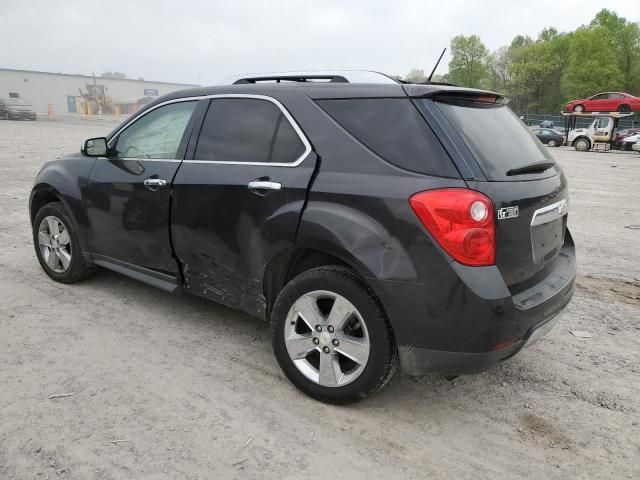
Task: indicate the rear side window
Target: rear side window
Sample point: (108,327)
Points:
(247,130)
(393,129)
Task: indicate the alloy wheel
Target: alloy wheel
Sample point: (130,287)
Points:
(327,338)
(54,244)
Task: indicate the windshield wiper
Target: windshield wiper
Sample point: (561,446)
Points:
(537,167)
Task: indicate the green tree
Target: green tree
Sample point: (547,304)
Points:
(498,68)
(534,71)
(592,65)
(113,75)
(468,65)
(415,75)
(624,37)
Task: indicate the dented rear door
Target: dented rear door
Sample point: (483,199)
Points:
(238,198)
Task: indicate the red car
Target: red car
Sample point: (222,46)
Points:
(605,102)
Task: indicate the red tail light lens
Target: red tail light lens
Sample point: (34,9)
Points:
(461,221)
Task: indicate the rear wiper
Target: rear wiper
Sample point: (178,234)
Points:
(531,168)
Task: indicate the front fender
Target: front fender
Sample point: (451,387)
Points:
(65,179)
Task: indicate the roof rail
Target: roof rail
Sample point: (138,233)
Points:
(310,76)
(292,78)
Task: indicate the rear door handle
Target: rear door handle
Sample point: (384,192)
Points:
(155,183)
(264,185)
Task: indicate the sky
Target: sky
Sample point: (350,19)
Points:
(205,41)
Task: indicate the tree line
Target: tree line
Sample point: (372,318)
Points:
(542,75)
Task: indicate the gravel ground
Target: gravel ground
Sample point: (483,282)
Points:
(176,387)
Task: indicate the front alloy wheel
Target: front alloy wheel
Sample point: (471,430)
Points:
(54,244)
(57,246)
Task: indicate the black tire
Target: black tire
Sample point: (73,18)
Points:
(624,108)
(78,268)
(578,108)
(383,357)
(582,145)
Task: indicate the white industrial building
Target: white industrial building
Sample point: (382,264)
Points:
(63,91)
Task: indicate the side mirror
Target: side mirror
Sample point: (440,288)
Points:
(94,147)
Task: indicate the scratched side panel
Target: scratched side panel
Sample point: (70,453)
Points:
(225,235)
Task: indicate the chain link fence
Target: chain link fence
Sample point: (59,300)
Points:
(559,120)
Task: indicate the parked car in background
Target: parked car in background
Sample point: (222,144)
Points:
(16,109)
(636,147)
(628,142)
(626,132)
(605,102)
(547,124)
(549,137)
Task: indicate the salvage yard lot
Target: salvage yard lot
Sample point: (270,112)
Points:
(176,387)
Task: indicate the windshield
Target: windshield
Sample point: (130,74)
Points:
(15,101)
(496,137)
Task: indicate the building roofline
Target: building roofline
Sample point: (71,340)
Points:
(96,77)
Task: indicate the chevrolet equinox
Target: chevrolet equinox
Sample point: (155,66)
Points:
(372,225)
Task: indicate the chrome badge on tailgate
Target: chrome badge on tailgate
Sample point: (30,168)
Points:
(508,212)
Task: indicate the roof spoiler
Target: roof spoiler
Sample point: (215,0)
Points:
(454,94)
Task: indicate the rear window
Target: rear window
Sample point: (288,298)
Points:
(394,130)
(496,137)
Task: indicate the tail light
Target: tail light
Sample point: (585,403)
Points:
(461,221)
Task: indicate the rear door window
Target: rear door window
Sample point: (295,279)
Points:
(247,130)
(394,130)
(496,137)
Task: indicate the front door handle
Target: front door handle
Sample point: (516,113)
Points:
(155,183)
(264,185)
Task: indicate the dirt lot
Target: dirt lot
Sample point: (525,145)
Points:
(176,387)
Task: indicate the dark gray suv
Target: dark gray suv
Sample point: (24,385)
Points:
(371,225)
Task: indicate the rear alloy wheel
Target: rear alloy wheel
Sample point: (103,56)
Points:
(57,245)
(578,109)
(581,145)
(624,108)
(551,143)
(331,337)
(330,349)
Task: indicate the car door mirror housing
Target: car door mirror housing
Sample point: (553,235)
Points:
(94,147)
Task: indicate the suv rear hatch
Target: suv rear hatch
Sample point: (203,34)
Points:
(498,156)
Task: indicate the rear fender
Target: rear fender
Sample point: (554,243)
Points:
(357,239)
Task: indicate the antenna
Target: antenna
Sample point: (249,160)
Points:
(436,65)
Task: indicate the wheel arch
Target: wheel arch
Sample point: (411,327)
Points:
(292,262)
(44,193)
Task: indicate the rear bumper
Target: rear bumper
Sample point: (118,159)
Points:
(421,361)
(465,319)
